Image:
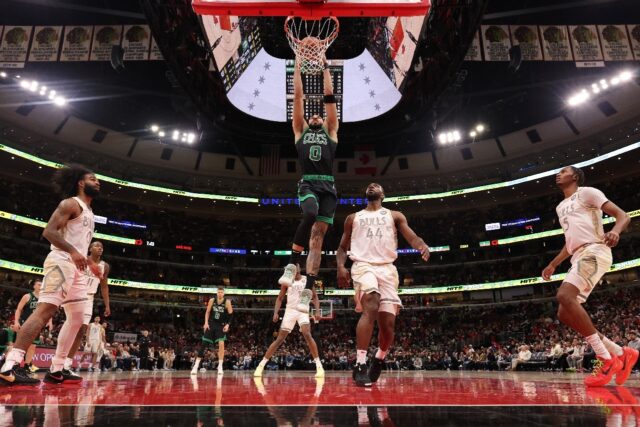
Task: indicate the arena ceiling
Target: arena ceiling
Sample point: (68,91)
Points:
(129,100)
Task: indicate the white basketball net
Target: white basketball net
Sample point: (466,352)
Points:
(310,39)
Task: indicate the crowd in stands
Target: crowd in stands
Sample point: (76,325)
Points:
(23,243)
(522,335)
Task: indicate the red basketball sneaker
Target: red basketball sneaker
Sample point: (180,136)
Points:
(629,358)
(603,371)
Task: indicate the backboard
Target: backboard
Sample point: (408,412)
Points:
(313,9)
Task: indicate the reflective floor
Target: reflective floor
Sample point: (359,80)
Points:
(407,398)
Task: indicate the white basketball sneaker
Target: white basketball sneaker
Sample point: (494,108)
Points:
(305,299)
(287,277)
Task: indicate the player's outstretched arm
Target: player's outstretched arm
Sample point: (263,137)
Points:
(229,308)
(299,124)
(316,304)
(549,269)
(104,290)
(410,236)
(276,308)
(623,219)
(341,253)
(330,107)
(23,301)
(207,314)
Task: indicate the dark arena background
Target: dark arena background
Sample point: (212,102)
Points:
(465,112)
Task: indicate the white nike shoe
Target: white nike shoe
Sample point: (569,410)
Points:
(305,299)
(287,277)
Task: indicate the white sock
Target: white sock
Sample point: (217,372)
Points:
(219,366)
(381,354)
(612,347)
(196,364)
(318,363)
(68,363)
(263,362)
(15,357)
(361,358)
(598,346)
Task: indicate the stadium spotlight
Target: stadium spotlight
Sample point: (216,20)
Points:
(52,94)
(59,101)
(456,136)
(595,88)
(161,134)
(480,128)
(43,90)
(625,76)
(154,128)
(442,138)
(25,84)
(473,134)
(191,137)
(603,84)
(3,74)
(615,81)
(33,86)
(176,135)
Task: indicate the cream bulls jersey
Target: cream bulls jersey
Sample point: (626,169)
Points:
(294,291)
(581,217)
(374,238)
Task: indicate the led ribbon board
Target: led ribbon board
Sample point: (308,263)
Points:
(42,224)
(8,265)
(484,243)
(511,183)
(138,185)
(453,193)
(543,234)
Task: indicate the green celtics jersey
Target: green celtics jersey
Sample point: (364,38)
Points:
(316,152)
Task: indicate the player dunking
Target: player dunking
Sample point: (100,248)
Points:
(94,336)
(292,316)
(316,144)
(580,215)
(222,313)
(70,230)
(26,306)
(372,237)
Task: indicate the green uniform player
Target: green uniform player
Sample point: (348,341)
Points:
(219,311)
(316,141)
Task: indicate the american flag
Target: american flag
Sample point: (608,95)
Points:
(270,160)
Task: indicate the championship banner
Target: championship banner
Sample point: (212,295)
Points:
(496,42)
(585,43)
(155,54)
(76,44)
(104,38)
(526,36)
(615,43)
(634,34)
(555,43)
(135,42)
(475,50)
(15,42)
(46,44)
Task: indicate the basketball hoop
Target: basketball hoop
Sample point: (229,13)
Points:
(310,39)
